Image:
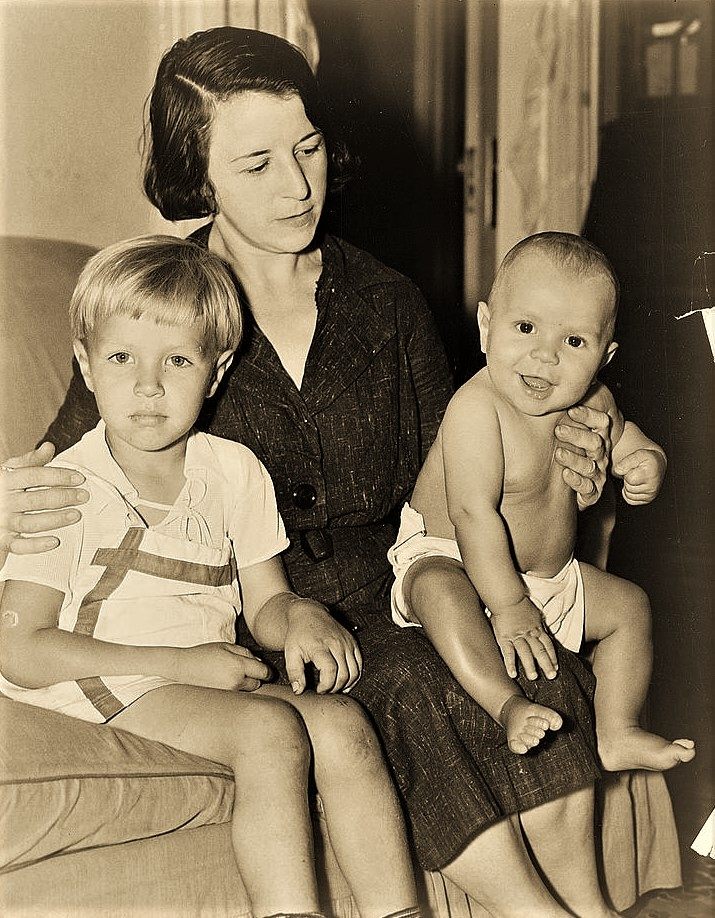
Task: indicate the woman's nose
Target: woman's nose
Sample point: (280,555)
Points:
(148,384)
(295,183)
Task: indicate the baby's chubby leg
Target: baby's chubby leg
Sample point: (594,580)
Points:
(442,599)
(266,744)
(618,618)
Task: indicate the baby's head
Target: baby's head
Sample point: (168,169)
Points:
(548,326)
(155,322)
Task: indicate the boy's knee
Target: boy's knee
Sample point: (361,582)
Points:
(638,606)
(345,734)
(277,727)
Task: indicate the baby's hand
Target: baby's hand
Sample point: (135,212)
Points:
(313,636)
(519,631)
(642,472)
(219,665)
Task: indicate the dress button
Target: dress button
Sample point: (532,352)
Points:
(304,496)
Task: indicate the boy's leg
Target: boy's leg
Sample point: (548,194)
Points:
(265,743)
(362,811)
(443,600)
(556,830)
(618,619)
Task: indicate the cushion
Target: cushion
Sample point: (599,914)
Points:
(37,277)
(67,785)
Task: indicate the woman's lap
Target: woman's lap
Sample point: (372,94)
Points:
(450,760)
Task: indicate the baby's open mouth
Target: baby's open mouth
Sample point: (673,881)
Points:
(536,383)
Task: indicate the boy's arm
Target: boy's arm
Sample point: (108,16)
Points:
(635,458)
(35,652)
(302,628)
(473,458)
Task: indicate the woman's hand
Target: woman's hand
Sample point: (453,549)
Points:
(35,499)
(219,665)
(585,452)
(313,636)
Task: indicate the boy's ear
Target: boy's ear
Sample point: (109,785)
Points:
(80,352)
(223,362)
(483,317)
(610,351)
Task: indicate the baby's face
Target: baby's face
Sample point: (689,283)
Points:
(546,334)
(149,380)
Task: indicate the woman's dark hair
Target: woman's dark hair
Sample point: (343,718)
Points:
(194,75)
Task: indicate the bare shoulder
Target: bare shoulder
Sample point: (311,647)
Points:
(477,394)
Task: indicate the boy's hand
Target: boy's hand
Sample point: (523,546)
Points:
(519,632)
(219,665)
(642,472)
(313,636)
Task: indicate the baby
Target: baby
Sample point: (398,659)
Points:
(131,619)
(491,497)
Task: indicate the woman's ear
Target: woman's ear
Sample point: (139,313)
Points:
(483,317)
(80,352)
(223,362)
(608,356)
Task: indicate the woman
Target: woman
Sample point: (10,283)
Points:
(339,390)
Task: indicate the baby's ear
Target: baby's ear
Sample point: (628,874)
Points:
(223,362)
(483,317)
(80,352)
(610,351)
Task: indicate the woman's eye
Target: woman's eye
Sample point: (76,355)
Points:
(309,151)
(526,328)
(256,170)
(574,341)
(178,361)
(121,357)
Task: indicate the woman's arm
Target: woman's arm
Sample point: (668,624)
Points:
(301,628)
(35,653)
(26,513)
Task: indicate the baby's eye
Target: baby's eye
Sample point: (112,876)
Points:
(176,360)
(526,328)
(574,341)
(121,357)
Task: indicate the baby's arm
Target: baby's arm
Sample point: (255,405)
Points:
(302,628)
(635,458)
(35,652)
(473,458)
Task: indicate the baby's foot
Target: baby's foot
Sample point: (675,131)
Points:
(633,747)
(526,723)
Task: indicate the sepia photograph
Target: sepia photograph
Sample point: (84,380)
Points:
(357,388)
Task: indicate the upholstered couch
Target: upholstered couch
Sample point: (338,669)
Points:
(96,821)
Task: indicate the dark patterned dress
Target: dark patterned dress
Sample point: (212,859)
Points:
(344,452)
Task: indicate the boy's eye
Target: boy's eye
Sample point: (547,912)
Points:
(574,341)
(526,328)
(178,361)
(121,357)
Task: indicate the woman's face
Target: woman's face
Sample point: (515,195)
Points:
(268,166)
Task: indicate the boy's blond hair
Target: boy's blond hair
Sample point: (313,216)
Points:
(170,280)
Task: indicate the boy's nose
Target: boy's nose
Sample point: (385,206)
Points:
(148,385)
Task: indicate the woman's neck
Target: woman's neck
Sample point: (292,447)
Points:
(271,281)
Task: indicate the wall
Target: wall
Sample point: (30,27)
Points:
(73,80)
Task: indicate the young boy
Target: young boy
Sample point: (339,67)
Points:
(491,497)
(131,619)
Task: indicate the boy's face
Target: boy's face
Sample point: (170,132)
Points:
(546,334)
(149,380)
